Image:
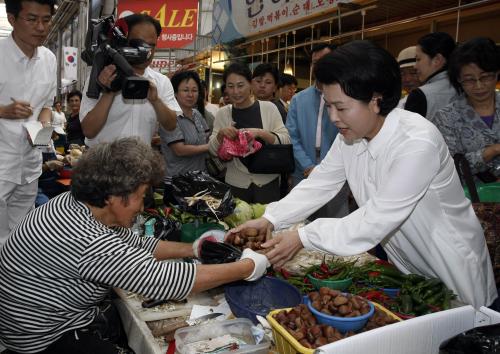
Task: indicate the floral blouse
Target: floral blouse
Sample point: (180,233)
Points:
(465,132)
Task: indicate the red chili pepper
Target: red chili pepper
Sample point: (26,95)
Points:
(318,275)
(383,263)
(306,280)
(372,293)
(324,268)
(167,211)
(286,274)
(374,274)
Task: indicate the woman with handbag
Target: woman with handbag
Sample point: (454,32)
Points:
(263,120)
(471,124)
(401,175)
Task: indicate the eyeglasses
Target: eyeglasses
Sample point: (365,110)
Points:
(34,20)
(483,79)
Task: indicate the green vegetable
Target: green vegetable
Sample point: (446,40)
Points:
(242,212)
(258,210)
(406,304)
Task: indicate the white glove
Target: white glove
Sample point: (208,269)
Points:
(197,244)
(261,263)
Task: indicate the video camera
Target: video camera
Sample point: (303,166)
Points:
(106,44)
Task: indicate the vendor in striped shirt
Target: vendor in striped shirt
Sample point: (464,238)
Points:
(64,257)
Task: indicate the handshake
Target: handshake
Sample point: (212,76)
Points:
(261,263)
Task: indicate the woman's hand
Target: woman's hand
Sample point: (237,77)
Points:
(263,226)
(229,132)
(283,247)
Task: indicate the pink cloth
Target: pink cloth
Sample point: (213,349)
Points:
(242,146)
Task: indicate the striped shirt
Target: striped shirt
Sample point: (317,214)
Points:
(60,262)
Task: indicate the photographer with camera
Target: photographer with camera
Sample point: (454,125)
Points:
(113,113)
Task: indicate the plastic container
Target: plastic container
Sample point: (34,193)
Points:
(341,284)
(239,328)
(487,192)
(343,324)
(190,232)
(391,292)
(286,344)
(248,299)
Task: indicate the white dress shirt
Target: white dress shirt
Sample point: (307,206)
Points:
(131,117)
(410,200)
(33,80)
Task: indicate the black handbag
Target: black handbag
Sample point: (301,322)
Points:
(271,159)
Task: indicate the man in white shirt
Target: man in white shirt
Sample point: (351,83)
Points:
(401,174)
(111,116)
(28,81)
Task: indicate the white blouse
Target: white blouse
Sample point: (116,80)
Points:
(410,200)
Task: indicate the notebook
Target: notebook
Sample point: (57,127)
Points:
(38,134)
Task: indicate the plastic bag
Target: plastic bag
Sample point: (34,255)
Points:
(479,340)
(218,253)
(242,146)
(200,194)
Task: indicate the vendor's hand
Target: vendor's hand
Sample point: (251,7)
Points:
(263,226)
(16,110)
(54,165)
(283,247)
(152,92)
(107,76)
(229,132)
(199,242)
(261,263)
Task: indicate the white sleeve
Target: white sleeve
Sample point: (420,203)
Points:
(411,172)
(53,88)
(166,92)
(87,104)
(312,193)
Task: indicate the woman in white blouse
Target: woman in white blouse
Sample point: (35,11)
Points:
(401,175)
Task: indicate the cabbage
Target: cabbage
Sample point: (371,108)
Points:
(258,210)
(242,212)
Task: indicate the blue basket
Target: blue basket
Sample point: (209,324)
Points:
(248,299)
(391,292)
(343,324)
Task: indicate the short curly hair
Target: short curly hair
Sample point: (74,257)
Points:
(118,169)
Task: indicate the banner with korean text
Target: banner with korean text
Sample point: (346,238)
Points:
(234,19)
(178,19)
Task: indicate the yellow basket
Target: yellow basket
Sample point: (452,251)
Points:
(286,344)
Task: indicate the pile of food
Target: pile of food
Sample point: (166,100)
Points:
(304,327)
(74,153)
(248,238)
(334,303)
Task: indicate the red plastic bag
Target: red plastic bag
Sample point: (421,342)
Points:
(244,145)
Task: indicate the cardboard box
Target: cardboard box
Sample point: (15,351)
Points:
(421,335)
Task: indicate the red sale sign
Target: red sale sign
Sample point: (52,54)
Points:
(178,19)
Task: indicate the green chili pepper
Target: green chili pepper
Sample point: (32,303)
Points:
(406,304)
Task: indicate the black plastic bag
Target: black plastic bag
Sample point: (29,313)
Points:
(481,340)
(165,229)
(218,253)
(180,191)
